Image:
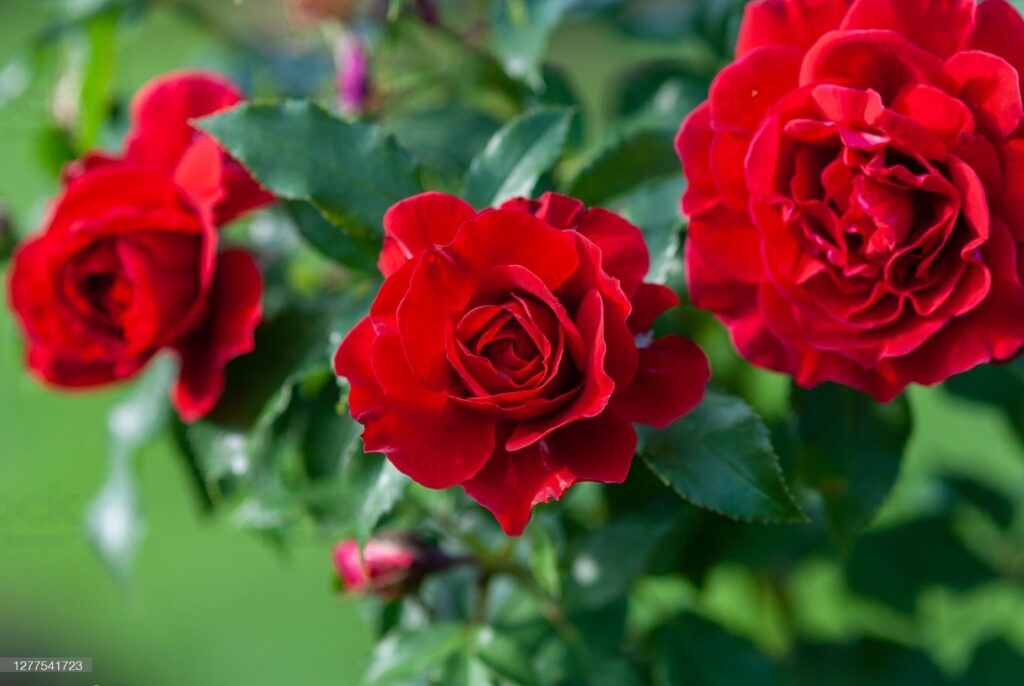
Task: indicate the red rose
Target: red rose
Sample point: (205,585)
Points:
(857,190)
(162,138)
(128,262)
(508,351)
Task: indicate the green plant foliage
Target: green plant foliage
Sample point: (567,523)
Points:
(517,156)
(352,172)
(720,457)
(850,452)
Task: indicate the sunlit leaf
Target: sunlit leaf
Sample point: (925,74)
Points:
(517,156)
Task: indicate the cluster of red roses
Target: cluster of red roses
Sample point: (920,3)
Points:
(856,216)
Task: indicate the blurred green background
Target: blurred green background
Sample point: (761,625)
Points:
(207,602)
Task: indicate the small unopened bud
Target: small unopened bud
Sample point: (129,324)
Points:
(391,566)
(353,83)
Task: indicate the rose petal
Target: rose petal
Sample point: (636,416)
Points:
(939,26)
(670,381)
(991,88)
(234,311)
(511,484)
(744,90)
(788,22)
(417,223)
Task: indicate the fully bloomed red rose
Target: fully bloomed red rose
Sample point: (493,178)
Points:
(509,351)
(857,190)
(128,263)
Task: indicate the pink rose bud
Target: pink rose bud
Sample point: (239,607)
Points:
(353,80)
(390,566)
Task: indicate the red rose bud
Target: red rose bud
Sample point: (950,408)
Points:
(509,351)
(128,264)
(390,566)
(856,190)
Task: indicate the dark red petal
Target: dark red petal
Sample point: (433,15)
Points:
(511,484)
(788,22)
(991,88)
(162,110)
(110,186)
(352,362)
(560,211)
(880,60)
(729,242)
(939,26)
(693,145)
(596,388)
(242,193)
(599,449)
(502,237)
(670,382)
(650,301)
(415,224)
(623,250)
(999,29)
(234,311)
(438,454)
(744,90)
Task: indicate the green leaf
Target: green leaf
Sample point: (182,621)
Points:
(654,207)
(114,521)
(352,172)
(995,664)
(504,657)
(517,156)
(695,651)
(544,560)
(623,161)
(8,234)
(664,91)
(720,457)
(850,451)
(331,240)
(445,138)
(896,564)
(382,488)
(521,30)
(414,653)
(868,661)
(600,572)
(465,669)
(96,96)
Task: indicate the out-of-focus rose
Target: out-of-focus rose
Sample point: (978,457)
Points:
(856,190)
(128,261)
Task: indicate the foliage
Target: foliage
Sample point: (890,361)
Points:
(762,487)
